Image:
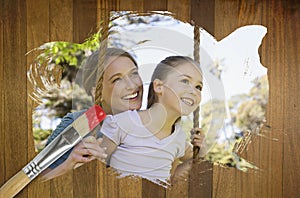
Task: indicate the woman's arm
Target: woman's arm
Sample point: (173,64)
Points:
(85,151)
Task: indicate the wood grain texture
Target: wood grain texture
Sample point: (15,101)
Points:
(291,160)
(150,189)
(130,187)
(14,85)
(37,17)
(178,189)
(85,178)
(84,24)
(61,29)
(105,7)
(181,9)
(201,176)
(155,5)
(62,186)
(271,144)
(230,182)
(131,5)
(61,20)
(201,180)
(112,183)
(203,14)
(249,12)
(263,151)
(2,113)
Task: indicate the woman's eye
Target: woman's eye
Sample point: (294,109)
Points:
(134,74)
(115,80)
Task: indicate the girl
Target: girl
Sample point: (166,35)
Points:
(119,66)
(146,143)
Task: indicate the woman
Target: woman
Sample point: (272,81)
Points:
(119,89)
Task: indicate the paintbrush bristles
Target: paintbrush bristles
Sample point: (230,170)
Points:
(81,125)
(89,120)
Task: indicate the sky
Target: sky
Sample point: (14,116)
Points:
(237,54)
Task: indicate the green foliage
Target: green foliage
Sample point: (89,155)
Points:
(251,112)
(67,97)
(66,53)
(39,137)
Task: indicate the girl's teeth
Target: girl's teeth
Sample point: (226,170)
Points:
(188,101)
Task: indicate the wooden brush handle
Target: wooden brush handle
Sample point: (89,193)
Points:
(14,185)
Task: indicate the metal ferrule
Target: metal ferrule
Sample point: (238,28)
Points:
(59,146)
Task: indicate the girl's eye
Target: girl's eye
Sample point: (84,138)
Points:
(186,81)
(199,87)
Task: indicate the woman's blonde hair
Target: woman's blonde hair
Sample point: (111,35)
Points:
(92,72)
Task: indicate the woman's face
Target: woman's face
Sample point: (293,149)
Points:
(122,86)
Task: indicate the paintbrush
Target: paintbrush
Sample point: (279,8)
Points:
(60,145)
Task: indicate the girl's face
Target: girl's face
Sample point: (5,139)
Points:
(122,86)
(182,89)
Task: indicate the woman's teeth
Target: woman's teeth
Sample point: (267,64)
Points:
(130,96)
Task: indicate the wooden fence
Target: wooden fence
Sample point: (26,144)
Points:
(26,24)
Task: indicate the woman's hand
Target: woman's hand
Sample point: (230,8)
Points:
(85,151)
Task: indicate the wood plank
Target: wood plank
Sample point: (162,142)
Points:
(61,29)
(263,152)
(131,5)
(62,186)
(271,146)
(37,17)
(130,187)
(104,7)
(86,180)
(178,189)
(103,189)
(203,14)
(291,161)
(181,9)
(201,177)
(250,12)
(155,5)
(150,189)
(61,20)
(2,115)
(84,24)
(226,12)
(14,84)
